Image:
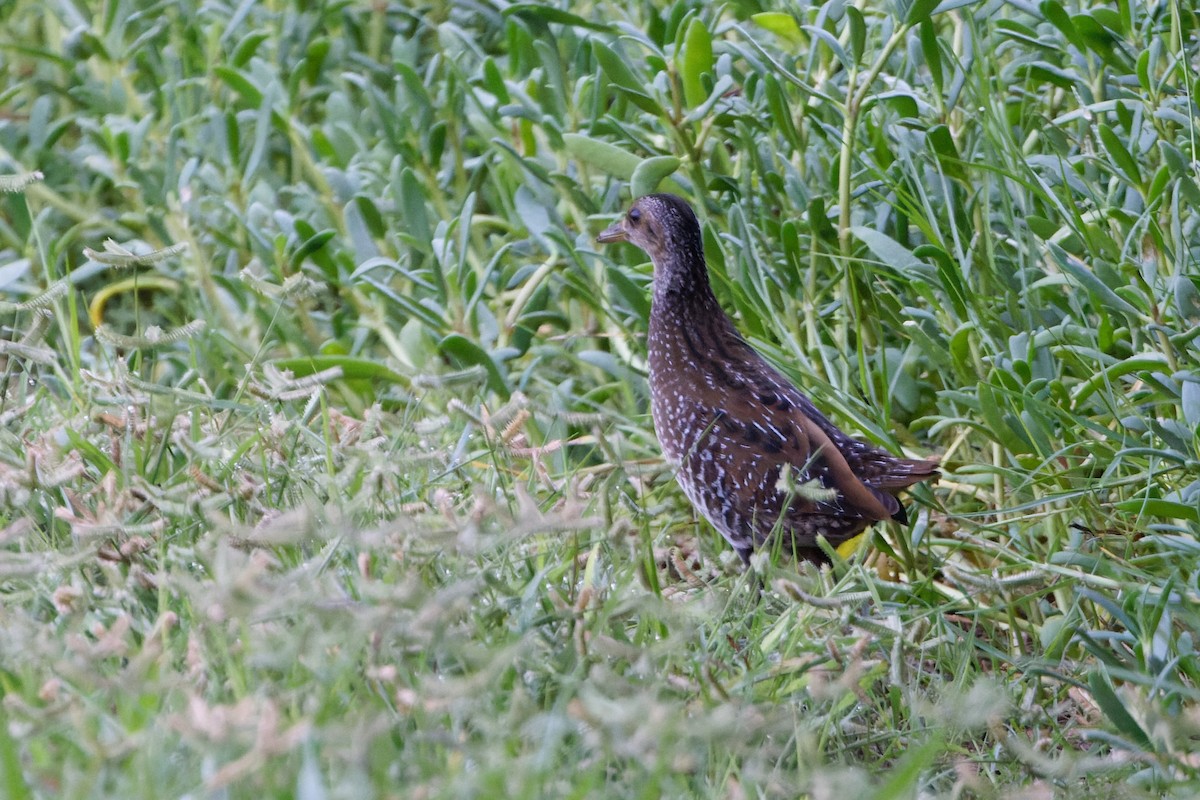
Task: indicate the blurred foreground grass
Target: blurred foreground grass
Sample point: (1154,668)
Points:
(351,491)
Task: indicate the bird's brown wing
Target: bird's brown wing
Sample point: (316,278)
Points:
(874,466)
(777,433)
(837,473)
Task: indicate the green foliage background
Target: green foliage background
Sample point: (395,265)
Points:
(356,494)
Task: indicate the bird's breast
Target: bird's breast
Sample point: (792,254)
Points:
(679,396)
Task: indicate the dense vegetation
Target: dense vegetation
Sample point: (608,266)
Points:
(326,467)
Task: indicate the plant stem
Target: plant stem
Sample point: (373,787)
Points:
(856,95)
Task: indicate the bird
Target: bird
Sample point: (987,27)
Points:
(751,452)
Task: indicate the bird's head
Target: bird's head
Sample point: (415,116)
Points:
(661,224)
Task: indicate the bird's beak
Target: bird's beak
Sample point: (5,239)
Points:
(613,233)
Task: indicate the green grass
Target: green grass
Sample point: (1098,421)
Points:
(355,492)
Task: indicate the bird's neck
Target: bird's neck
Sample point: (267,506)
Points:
(685,315)
(682,288)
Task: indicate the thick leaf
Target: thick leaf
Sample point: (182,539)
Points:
(1043,72)
(779,23)
(947,152)
(931,49)
(831,41)
(236,80)
(1114,708)
(696,61)
(548,13)
(603,155)
(622,76)
(634,294)
(311,246)
(1147,361)
(1120,155)
(1164,509)
(13,272)
(858,32)
(247,47)
(818,220)
(1143,70)
(1101,41)
(650,173)
(1096,287)
(533,213)
(950,5)
(993,408)
(466,353)
(950,275)
(1190,399)
(919,11)
(906,776)
(352,368)
(617,162)
(888,250)
(1059,18)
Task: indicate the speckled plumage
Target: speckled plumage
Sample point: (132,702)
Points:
(732,425)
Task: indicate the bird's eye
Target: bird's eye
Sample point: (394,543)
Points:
(635,216)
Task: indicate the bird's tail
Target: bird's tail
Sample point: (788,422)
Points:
(904,472)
